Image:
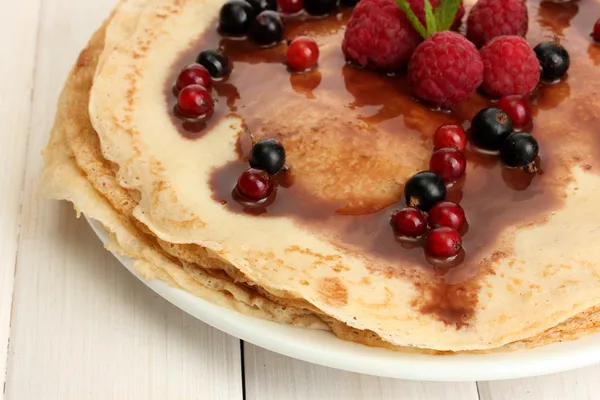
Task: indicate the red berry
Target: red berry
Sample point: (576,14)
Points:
(450,136)
(596,32)
(409,222)
(443,242)
(290,6)
(492,18)
(510,66)
(447,213)
(448,163)
(445,69)
(302,53)
(195,101)
(518,109)
(193,74)
(380,36)
(254,184)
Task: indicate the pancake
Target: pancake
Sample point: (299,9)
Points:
(63,179)
(341,141)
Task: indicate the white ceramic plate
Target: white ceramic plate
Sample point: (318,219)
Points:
(321,347)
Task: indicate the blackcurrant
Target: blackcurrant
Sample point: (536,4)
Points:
(262,5)
(235,17)
(267,29)
(489,128)
(519,150)
(424,190)
(319,7)
(554,60)
(268,155)
(216,63)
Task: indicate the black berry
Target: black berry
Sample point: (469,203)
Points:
(348,3)
(319,7)
(554,60)
(424,190)
(519,150)
(235,17)
(262,5)
(268,155)
(267,29)
(216,63)
(489,128)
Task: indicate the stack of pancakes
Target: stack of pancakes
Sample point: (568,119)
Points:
(119,155)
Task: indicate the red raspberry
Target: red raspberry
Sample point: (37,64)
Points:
(418,7)
(492,18)
(379,35)
(596,32)
(510,67)
(445,69)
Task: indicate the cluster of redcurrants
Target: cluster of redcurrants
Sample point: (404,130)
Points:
(194,83)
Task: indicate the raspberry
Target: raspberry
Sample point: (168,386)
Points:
(492,18)
(510,67)
(418,7)
(379,35)
(445,69)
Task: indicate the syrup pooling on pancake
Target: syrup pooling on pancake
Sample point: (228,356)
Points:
(353,137)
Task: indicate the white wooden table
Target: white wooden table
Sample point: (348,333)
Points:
(74,324)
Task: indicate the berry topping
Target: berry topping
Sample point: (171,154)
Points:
(409,222)
(290,6)
(554,60)
(262,5)
(268,155)
(596,31)
(448,163)
(319,7)
(450,136)
(235,17)
(302,53)
(348,3)
(193,74)
(216,63)
(379,36)
(445,69)
(195,101)
(267,29)
(518,109)
(424,190)
(510,67)
(492,18)
(489,128)
(447,213)
(519,150)
(443,243)
(254,184)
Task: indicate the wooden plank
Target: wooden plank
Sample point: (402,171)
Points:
(580,384)
(270,376)
(18,27)
(84,327)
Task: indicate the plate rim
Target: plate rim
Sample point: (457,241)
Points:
(325,349)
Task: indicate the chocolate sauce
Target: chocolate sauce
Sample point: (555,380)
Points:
(365,129)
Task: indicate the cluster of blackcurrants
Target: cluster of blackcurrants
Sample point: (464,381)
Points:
(260,20)
(194,84)
(256,184)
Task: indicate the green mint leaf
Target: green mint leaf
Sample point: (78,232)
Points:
(410,14)
(429,18)
(445,14)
